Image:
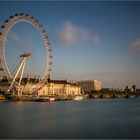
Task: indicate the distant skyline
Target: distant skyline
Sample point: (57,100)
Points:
(90,40)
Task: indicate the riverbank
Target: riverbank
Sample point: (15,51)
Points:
(30,98)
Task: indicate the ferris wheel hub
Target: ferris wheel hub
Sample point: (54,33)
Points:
(26,54)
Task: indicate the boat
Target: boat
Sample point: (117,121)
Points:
(39,100)
(51,99)
(78,98)
(60,99)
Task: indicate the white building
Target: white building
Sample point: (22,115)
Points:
(60,88)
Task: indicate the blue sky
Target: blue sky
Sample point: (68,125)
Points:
(90,40)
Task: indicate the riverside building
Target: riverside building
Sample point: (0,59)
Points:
(90,85)
(60,88)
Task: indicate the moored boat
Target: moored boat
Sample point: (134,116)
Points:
(51,99)
(78,98)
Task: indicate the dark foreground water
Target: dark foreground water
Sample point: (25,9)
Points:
(103,118)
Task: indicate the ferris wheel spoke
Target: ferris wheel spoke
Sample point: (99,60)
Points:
(38,63)
(14,67)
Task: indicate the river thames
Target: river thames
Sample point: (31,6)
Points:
(100,118)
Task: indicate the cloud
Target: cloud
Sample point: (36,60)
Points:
(16,38)
(70,34)
(135,46)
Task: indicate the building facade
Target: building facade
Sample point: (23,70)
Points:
(4,86)
(90,85)
(60,88)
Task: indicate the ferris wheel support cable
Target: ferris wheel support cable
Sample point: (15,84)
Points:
(39,63)
(15,66)
(27,68)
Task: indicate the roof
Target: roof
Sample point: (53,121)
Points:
(62,82)
(59,81)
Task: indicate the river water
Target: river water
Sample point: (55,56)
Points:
(100,118)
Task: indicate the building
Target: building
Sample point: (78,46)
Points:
(52,88)
(131,88)
(90,85)
(60,88)
(4,86)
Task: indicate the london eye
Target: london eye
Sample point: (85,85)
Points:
(5,28)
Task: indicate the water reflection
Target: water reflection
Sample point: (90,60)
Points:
(114,118)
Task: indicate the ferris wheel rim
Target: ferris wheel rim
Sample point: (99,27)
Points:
(12,20)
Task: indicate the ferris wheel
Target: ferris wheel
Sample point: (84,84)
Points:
(12,20)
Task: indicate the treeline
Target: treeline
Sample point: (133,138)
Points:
(112,94)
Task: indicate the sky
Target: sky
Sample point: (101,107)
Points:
(90,39)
